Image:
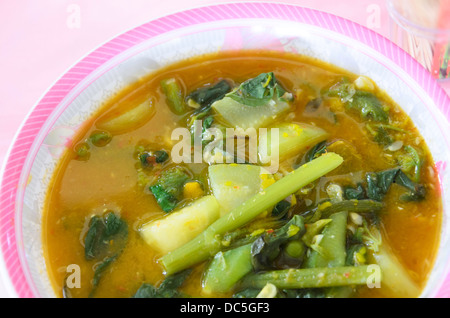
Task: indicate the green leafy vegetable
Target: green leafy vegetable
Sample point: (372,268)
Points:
(343,89)
(99,271)
(281,209)
(411,163)
(378,184)
(316,151)
(169,188)
(207,95)
(365,103)
(267,247)
(369,106)
(167,289)
(101,233)
(104,242)
(357,193)
(259,91)
(382,136)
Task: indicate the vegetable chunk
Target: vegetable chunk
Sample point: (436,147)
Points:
(233,184)
(292,139)
(118,123)
(181,226)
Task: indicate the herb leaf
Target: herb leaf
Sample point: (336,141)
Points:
(104,242)
(316,151)
(169,187)
(365,103)
(378,184)
(102,231)
(369,106)
(259,90)
(205,96)
(167,289)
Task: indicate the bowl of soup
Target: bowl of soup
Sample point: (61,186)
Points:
(239,150)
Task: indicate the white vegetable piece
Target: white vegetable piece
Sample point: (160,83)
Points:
(117,123)
(243,116)
(233,184)
(179,227)
(292,139)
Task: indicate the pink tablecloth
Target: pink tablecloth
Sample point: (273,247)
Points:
(40,40)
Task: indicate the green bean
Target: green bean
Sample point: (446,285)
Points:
(173,94)
(226,269)
(353,205)
(311,277)
(332,244)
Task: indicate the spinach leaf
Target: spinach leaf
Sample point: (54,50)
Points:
(207,95)
(106,236)
(169,187)
(316,151)
(378,184)
(382,137)
(357,193)
(411,162)
(259,91)
(104,242)
(268,246)
(365,103)
(281,209)
(343,89)
(369,106)
(167,289)
(416,191)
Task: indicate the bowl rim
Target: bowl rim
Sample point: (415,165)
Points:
(12,272)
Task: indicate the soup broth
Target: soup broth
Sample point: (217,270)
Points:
(104,203)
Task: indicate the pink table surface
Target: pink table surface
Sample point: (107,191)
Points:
(41,40)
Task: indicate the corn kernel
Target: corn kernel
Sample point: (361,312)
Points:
(192,190)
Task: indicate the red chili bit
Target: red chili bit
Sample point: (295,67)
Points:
(151,160)
(347,275)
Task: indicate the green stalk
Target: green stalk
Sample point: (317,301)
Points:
(310,277)
(173,94)
(226,269)
(208,243)
(332,244)
(352,205)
